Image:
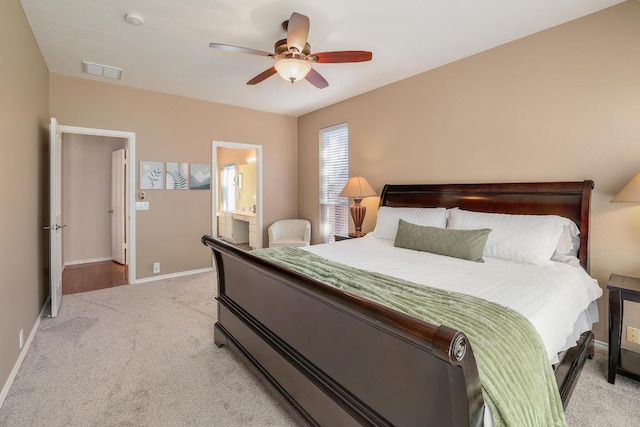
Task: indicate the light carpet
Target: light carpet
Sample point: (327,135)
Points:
(143,355)
(139,355)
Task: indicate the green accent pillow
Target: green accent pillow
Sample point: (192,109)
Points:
(465,244)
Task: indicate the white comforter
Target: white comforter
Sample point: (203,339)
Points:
(556,299)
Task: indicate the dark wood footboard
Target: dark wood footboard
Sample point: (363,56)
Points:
(337,359)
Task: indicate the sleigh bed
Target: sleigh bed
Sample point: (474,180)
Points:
(337,359)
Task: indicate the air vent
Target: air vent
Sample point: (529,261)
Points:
(101,70)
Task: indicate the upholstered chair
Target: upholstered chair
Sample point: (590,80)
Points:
(290,232)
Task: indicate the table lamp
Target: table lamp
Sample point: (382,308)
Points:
(357,187)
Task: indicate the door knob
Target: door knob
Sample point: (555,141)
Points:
(54,227)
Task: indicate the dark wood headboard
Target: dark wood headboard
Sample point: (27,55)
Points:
(568,199)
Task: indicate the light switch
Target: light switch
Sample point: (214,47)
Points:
(142,206)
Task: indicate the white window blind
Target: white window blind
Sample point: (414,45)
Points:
(334,174)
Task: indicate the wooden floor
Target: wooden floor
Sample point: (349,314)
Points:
(93,276)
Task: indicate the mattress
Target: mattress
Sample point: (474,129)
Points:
(558,299)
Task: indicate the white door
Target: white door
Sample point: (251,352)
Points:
(55,216)
(118,244)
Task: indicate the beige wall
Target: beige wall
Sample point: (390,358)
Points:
(563,104)
(177,129)
(24,81)
(86,196)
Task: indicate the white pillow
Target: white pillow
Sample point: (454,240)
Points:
(525,238)
(568,244)
(569,241)
(387,221)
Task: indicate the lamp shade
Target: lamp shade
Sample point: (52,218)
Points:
(630,193)
(292,69)
(357,187)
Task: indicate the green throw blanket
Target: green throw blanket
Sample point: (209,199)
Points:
(517,380)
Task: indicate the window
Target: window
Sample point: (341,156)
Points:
(228,187)
(334,174)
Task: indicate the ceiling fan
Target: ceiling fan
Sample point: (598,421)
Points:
(294,56)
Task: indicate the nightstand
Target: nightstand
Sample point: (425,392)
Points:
(350,236)
(621,361)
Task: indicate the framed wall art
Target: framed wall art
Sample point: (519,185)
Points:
(177,176)
(200,176)
(151,174)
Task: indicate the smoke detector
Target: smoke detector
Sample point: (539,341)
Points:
(134,19)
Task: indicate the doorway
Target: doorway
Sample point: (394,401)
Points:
(237,198)
(67,251)
(93,209)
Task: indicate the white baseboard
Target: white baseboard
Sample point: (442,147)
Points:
(172,275)
(601,345)
(87,261)
(23,353)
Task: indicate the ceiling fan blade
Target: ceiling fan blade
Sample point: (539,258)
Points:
(342,56)
(316,79)
(238,49)
(297,32)
(262,76)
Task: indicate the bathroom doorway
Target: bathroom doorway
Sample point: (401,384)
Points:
(237,196)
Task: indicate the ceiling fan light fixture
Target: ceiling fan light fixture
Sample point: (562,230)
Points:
(292,69)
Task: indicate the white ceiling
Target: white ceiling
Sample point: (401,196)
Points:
(170,53)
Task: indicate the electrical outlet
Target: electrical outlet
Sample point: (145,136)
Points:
(633,335)
(156,267)
(21,338)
